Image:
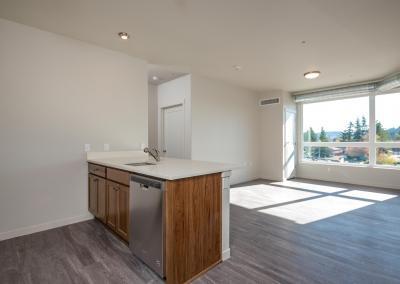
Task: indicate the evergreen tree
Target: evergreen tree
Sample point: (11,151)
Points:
(364,128)
(347,135)
(381,134)
(313,135)
(357,135)
(397,138)
(314,138)
(324,152)
(322,136)
(307,136)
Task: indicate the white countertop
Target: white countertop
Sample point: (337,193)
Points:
(167,168)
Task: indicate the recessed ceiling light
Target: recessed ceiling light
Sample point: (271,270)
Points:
(237,67)
(155,78)
(312,75)
(123,35)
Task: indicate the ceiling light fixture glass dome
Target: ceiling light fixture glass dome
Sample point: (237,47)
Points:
(312,75)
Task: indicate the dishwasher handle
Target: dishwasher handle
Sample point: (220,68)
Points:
(146,182)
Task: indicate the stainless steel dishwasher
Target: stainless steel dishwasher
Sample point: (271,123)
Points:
(147,221)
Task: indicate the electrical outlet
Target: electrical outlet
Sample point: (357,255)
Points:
(106,147)
(87,147)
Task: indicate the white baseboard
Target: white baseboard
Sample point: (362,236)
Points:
(226,254)
(43,227)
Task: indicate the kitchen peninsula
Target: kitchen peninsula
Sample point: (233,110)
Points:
(193,204)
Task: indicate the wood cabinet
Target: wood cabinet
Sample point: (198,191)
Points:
(121,177)
(97,170)
(109,198)
(123,212)
(111,212)
(118,208)
(93,194)
(97,197)
(193,226)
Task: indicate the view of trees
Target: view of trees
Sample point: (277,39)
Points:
(357,131)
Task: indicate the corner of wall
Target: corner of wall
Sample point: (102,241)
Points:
(271,118)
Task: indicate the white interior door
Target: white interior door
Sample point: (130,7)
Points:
(174,132)
(290,143)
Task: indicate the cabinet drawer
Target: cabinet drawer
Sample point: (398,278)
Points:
(97,170)
(118,176)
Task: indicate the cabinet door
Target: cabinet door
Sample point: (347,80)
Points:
(101,200)
(112,194)
(123,212)
(93,184)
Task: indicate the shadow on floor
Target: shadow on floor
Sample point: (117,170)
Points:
(311,232)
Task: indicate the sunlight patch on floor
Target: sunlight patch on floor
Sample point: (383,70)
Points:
(305,212)
(376,196)
(262,195)
(310,186)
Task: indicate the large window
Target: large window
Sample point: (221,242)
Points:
(339,131)
(388,130)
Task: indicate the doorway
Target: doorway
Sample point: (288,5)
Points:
(173,131)
(290,144)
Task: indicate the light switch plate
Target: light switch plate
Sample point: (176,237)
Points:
(87,147)
(106,147)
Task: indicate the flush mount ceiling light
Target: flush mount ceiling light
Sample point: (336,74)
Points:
(312,75)
(237,67)
(123,35)
(154,78)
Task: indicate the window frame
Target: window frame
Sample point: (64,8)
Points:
(372,144)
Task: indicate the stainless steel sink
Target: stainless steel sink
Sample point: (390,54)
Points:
(140,164)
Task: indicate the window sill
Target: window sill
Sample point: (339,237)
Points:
(350,165)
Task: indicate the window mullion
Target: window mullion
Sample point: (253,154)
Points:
(300,135)
(372,131)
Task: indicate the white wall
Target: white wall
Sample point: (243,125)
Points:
(226,126)
(56,94)
(272,134)
(388,178)
(153,116)
(272,137)
(175,92)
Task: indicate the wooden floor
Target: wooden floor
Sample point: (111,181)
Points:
(296,232)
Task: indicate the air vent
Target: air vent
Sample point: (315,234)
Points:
(269,101)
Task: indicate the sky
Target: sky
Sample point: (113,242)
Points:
(335,115)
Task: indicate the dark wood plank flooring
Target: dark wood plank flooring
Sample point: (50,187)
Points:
(286,237)
(80,253)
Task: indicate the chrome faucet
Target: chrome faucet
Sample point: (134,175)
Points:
(153,152)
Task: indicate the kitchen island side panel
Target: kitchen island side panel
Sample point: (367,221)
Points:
(193,226)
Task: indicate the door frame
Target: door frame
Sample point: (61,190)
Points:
(294,112)
(162,131)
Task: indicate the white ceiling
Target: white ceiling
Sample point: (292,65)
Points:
(347,40)
(163,73)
